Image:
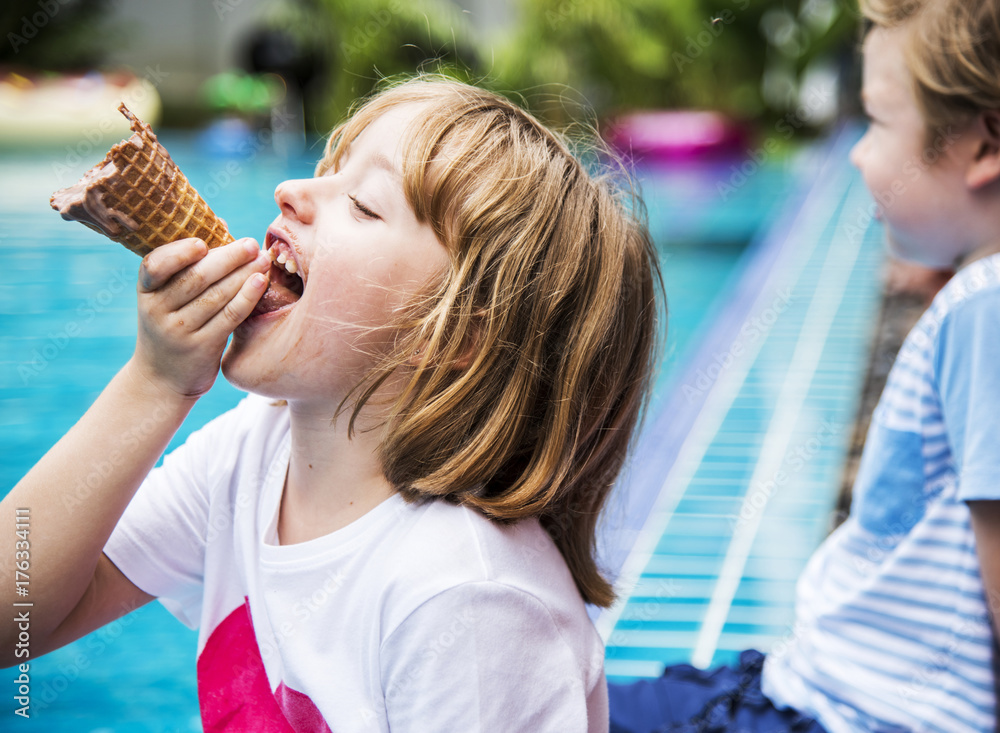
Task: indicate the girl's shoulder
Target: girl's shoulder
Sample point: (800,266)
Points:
(252,413)
(233,448)
(445,547)
(254,418)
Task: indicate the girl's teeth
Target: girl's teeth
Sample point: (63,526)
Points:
(281,256)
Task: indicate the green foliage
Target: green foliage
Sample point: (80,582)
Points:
(364,42)
(635,54)
(595,56)
(566,58)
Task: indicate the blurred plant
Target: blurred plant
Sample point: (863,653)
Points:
(567,58)
(744,57)
(363,42)
(53,34)
(233,91)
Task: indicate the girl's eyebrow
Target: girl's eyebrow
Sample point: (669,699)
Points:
(379,160)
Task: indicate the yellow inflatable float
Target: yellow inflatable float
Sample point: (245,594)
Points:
(48,109)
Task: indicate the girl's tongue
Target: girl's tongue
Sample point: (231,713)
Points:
(284,289)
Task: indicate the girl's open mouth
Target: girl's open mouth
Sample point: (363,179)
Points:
(286,277)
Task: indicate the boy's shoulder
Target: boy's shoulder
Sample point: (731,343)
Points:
(972,292)
(977,281)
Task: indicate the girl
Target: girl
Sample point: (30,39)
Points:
(395,530)
(895,621)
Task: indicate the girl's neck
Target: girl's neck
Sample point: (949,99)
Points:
(332,479)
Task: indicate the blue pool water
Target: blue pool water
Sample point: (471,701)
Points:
(67,324)
(734,479)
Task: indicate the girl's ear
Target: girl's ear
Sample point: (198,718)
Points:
(471,343)
(985,166)
(467,354)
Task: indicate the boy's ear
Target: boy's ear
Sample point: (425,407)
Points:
(985,166)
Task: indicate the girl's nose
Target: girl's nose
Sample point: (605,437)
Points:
(295,200)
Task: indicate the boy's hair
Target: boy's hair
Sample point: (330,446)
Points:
(537,347)
(953,53)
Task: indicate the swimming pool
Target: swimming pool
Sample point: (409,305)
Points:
(67,324)
(733,482)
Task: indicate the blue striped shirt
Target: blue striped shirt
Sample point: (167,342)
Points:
(892,630)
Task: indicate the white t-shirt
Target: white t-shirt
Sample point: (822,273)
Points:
(416,617)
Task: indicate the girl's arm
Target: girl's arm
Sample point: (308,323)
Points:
(190,300)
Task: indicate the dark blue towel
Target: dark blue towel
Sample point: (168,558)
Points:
(691,700)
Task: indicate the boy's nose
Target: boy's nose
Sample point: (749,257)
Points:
(294,200)
(855,155)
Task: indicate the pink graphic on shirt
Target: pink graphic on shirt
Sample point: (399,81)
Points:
(233,689)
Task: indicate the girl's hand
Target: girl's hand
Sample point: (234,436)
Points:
(190,301)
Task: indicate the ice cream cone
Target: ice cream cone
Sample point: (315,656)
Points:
(138,197)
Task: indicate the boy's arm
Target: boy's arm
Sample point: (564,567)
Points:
(986,528)
(969,380)
(190,300)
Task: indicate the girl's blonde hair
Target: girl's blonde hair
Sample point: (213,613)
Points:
(953,52)
(537,346)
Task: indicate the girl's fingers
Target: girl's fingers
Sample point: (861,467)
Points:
(227,296)
(239,308)
(194,280)
(164,262)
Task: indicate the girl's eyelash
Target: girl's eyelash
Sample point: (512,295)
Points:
(362,208)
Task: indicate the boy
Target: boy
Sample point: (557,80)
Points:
(893,614)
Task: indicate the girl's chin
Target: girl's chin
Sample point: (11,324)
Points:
(241,368)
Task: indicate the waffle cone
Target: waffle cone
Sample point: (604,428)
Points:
(137,196)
